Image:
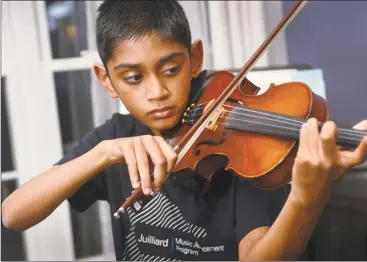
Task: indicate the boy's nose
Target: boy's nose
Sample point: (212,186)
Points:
(157,91)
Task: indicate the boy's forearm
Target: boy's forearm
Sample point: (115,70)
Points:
(290,233)
(38,198)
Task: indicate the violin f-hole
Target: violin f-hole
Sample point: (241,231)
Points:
(223,137)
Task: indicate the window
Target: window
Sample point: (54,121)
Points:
(76,120)
(67,28)
(74,105)
(67,36)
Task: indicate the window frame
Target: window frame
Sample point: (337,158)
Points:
(84,62)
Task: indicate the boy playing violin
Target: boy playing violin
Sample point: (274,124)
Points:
(151,65)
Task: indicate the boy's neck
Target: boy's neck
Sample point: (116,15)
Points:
(156,132)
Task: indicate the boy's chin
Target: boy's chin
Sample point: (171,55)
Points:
(165,124)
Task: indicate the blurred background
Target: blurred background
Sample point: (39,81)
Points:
(50,99)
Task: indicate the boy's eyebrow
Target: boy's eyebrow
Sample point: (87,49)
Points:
(170,56)
(161,61)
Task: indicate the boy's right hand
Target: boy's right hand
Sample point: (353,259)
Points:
(138,152)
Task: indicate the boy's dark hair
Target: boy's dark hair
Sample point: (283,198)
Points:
(127,20)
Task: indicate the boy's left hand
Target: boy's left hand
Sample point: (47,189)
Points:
(319,162)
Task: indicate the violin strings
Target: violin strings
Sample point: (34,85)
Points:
(343,134)
(262,113)
(342,130)
(295,121)
(286,128)
(289,133)
(299,126)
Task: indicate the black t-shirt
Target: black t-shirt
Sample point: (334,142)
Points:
(183,221)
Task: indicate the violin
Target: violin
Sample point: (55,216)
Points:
(253,136)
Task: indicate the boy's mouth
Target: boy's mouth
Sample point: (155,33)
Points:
(162,112)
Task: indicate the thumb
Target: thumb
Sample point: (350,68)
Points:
(361,125)
(358,156)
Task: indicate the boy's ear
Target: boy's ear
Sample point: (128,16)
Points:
(102,75)
(196,58)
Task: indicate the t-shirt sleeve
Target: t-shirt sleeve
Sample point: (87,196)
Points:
(256,207)
(96,188)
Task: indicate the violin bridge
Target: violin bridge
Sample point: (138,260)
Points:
(215,121)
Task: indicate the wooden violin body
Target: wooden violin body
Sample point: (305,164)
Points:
(245,136)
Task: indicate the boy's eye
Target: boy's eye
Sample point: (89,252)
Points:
(171,70)
(133,79)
